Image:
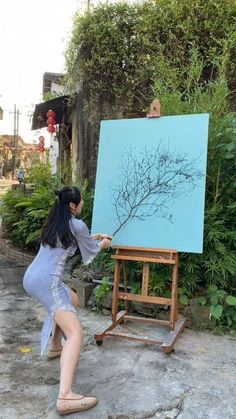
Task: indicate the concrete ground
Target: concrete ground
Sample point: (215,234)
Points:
(131,380)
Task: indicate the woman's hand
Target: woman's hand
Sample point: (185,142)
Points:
(104,236)
(105,243)
(101,236)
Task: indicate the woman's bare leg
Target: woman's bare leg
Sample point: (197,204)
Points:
(70,325)
(57,334)
(74,298)
(56,344)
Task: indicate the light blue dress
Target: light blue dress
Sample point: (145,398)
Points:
(43,279)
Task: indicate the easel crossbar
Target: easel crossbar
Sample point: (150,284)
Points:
(144,249)
(143,339)
(147,320)
(145,259)
(144,298)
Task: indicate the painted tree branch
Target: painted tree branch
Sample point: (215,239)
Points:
(149,181)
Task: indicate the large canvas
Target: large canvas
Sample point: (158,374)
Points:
(150,183)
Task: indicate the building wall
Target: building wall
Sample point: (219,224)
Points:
(86,121)
(85,133)
(57,88)
(12,157)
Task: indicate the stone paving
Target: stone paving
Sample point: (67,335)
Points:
(131,380)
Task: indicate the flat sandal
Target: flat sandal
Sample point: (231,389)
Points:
(66,406)
(53,354)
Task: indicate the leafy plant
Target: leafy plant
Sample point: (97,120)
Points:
(50,95)
(40,175)
(184,296)
(35,211)
(222,307)
(102,289)
(160,280)
(8,211)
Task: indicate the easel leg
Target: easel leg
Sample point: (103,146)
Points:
(115,290)
(119,319)
(125,286)
(169,342)
(174,298)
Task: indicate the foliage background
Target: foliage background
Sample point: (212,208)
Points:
(25,210)
(122,56)
(114,51)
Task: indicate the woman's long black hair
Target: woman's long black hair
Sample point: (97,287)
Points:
(57,223)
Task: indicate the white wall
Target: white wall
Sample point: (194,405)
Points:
(53,153)
(58,88)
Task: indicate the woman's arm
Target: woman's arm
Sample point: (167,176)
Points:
(87,245)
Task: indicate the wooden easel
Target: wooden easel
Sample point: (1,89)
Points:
(146,256)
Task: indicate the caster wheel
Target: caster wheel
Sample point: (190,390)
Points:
(99,342)
(169,351)
(172,351)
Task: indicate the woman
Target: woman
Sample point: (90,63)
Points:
(61,235)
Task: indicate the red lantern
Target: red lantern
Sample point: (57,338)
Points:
(41,147)
(51,121)
(51,128)
(50,114)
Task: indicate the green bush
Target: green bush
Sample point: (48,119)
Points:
(40,175)
(24,213)
(8,211)
(26,231)
(222,308)
(181,92)
(114,50)
(102,290)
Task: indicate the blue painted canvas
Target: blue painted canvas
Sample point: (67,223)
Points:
(150,183)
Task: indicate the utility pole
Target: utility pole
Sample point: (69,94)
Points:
(17,130)
(1,112)
(15,137)
(14,141)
